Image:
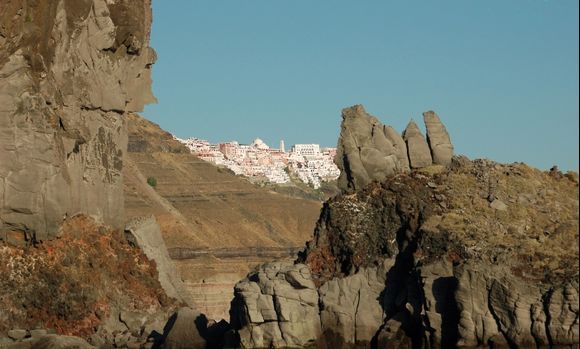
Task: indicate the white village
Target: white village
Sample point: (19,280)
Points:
(308,163)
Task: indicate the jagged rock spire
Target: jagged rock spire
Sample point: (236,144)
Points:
(368,150)
(364,153)
(438,138)
(417,147)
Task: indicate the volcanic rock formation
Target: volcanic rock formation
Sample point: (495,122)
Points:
(419,153)
(69,72)
(423,259)
(369,151)
(438,138)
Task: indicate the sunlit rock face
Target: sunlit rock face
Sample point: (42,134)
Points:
(70,70)
(369,151)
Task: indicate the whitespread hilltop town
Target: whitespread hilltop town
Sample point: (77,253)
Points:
(308,163)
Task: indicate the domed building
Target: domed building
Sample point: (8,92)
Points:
(259,144)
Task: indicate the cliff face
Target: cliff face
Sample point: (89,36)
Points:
(69,72)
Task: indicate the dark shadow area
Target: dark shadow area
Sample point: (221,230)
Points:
(402,298)
(216,334)
(445,304)
(158,344)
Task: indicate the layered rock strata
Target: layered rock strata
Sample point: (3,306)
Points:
(370,151)
(69,72)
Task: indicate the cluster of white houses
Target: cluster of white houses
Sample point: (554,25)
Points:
(308,162)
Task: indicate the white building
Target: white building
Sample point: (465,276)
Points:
(307,162)
(306,149)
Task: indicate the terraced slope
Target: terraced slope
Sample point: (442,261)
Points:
(217,226)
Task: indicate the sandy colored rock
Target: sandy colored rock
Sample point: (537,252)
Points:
(438,139)
(148,237)
(417,147)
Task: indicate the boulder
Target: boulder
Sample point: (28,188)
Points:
(53,341)
(438,139)
(17,334)
(364,153)
(419,152)
(276,306)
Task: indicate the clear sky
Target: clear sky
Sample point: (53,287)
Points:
(503,75)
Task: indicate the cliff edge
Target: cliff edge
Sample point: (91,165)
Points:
(69,72)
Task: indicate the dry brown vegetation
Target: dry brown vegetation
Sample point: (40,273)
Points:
(70,284)
(531,228)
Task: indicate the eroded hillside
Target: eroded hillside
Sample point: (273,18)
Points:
(216,225)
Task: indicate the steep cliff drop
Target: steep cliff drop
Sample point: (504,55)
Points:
(69,73)
(466,254)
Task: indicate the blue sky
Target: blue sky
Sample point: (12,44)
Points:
(503,75)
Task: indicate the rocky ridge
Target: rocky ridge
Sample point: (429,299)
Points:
(368,150)
(472,254)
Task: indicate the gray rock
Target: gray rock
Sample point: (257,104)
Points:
(419,152)
(364,153)
(38,333)
(276,305)
(17,334)
(53,341)
(400,147)
(133,321)
(64,92)
(498,205)
(438,139)
(5,341)
(350,306)
(147,235)
(393,336)
(183,332)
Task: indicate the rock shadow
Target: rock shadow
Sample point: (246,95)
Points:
(445,304)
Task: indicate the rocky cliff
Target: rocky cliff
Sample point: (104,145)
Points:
(368,150)
(462,253)
(70,71)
